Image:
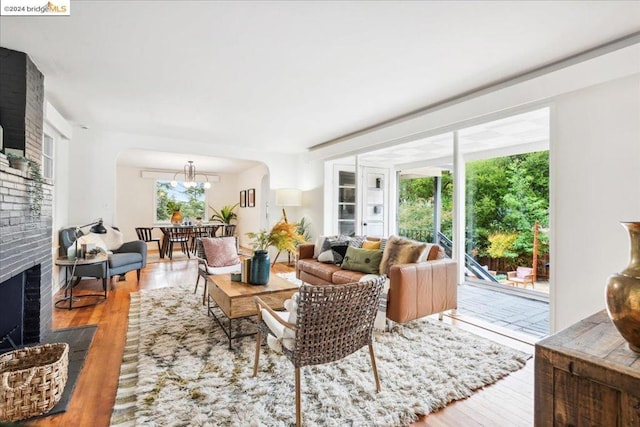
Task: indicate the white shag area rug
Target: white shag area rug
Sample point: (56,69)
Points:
(178,370)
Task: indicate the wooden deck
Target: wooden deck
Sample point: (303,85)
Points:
(509,402)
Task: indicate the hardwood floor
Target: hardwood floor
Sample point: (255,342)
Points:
(506,403)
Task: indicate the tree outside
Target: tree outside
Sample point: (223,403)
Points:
(505,197)
(190,201)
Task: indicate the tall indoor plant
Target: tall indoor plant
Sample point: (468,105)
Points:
(225,215)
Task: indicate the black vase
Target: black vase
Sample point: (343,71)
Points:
(260,268)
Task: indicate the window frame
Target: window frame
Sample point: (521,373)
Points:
(155,201)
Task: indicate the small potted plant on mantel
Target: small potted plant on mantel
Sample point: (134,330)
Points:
(18,161)
(23,164)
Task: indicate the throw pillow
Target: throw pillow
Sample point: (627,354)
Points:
(370,244)
(335,254)
(400,251)
(317,250)
(363,260)
(355,241)
(112,238)
(324,243)
(220,251)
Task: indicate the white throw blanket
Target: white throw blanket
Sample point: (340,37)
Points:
(380,323)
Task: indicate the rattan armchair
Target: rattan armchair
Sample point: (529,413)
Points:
(332,321)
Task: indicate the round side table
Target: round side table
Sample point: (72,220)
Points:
(70,265)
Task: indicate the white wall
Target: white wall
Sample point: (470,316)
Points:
(595,180)
(251,219)
(135,202)
(57,127)
(92,178)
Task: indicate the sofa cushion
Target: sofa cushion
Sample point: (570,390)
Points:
(363,260)
(127,258)
(400,251)
(522,272)
(342,277)
(236,268)
(318,269)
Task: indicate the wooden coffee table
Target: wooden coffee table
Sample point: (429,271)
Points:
(235,299)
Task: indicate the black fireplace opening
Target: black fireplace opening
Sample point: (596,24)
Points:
(20,309)
(11,319)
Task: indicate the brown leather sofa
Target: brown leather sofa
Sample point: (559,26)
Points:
(416,290)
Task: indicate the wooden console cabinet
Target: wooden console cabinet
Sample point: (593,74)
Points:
(586,375)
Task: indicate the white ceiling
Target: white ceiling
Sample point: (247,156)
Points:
(163,161)
(511,135)
(284,76)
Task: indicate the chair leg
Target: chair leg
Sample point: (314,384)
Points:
(170,251)
(255,361)
(298,402)
(138,274)
(159,248)
(197,280)
(375,368)
(204,291)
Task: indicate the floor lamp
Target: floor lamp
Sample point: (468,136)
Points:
(287,197)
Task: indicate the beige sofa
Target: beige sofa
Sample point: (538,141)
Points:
(416,290)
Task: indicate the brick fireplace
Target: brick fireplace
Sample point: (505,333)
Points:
(25,238)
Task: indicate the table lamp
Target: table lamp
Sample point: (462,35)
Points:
(97,228)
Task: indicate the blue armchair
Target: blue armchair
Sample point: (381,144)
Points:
(128,257)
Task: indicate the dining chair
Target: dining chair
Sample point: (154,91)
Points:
(229,230)
(324,324)
(198,232)
(180,235)
(146,234)
(213,229)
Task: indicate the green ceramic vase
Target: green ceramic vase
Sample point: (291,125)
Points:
(260,268)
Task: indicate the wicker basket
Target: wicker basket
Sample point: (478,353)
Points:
(33,380)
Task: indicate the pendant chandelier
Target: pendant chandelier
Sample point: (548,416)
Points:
(190,175)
